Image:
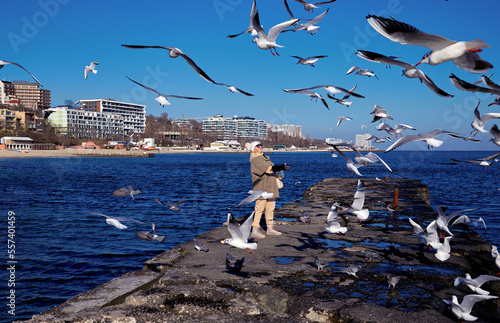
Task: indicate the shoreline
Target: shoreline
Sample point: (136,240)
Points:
(4,153)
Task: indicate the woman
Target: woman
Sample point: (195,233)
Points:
(264,179)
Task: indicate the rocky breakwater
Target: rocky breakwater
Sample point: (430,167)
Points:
(279,282)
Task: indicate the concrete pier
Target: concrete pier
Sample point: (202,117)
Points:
(279,281)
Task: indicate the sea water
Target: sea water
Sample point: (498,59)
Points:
(54,248)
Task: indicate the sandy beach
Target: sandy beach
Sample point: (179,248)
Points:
(70,153)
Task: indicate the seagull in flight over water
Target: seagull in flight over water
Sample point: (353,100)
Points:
(151,236)
(116,221)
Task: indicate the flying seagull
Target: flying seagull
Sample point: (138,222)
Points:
(91,68)
(466,86)
(125,191)
(312,94)
(479,121)
(268,41)
(428,137)
(173,206)
(151,236)
(250,29)
(308,6)
(3,63)
(255,195)
(343,101)
(116,221)
(363,72)
(311,60)
(485,161)
(409,70)
(476,283)
(162,98)
(239,233)
(463,54)
(309,26)
(175,52)
(379,113)
(462,310)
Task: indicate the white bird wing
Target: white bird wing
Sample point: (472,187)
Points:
(234,228)
(403,140)
(432,234)
(461,219)
(404,33)
(374,158)
(379,58)
(18,65)
(123,219)
(332,215)
(252,197)
(431,85)
(489,116)
(417,229)
(252,14)
(246,227)
(186,58)
(164,95)
(479,280)
(276,30)
(466,86)
(352,69)
(312,21)
(469,300)
(472,62)
(359,197)
(489,83)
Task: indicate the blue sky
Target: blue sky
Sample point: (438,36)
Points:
(55,39)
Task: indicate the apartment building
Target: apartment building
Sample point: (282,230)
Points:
(287,129)
(225,128)
(25,93)
(362,142)
(133,115)
(16,120)
(86,124)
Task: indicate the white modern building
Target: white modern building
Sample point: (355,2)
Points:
(133,115)
(86,124)
(361,141)
(287,129)
(236,127)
